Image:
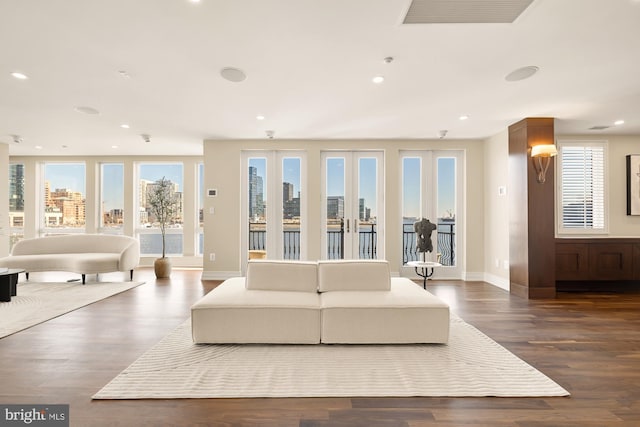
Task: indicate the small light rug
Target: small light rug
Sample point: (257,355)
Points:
(472,364)
(38,302)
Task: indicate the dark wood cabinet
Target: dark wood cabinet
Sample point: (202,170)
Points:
(572,261)
(594,264)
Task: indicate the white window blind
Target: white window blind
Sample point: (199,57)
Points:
(582,188)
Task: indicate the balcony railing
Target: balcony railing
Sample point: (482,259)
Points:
(368,242)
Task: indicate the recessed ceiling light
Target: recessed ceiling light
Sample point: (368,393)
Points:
(377,79)
(124,74)
(16,138)
(260,117)
(87,110)
(38,147)
(19,76)
(194,1)
(124,126)
(233,74)
(463,117)
(65,146)
(618,122)
(114,146)
(521,73)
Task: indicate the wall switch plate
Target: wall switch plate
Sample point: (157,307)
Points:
(212,211)
(212,257)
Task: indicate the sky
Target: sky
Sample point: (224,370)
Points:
(411,179)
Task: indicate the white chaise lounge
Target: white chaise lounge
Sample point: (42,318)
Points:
(77,253)
(294,302)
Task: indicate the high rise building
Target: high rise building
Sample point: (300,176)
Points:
(335,207)
(256,194)
(16,188)
(361,209)
(287,191)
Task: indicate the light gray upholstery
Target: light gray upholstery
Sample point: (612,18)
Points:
(77,253)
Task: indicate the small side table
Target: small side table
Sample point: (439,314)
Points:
(9,283)
(424,269)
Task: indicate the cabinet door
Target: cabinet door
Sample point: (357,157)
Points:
(610,261)
(636,261)
(572,261)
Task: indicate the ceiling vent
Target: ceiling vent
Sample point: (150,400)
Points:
(599,127)
(465,11)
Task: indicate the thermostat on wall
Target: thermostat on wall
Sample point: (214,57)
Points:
(212,192)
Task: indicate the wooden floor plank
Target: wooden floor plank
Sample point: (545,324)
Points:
(588,343)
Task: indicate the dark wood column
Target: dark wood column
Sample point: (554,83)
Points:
(532,271)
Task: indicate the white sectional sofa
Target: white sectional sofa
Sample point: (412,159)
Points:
(77,253)
(331,302)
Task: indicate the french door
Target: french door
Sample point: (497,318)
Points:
(432,189)
(353,205)
(274,205)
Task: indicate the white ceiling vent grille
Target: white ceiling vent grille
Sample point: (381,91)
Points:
(464,11)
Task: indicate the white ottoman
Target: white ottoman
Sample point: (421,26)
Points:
(277,303)
(233,314)
(405,314)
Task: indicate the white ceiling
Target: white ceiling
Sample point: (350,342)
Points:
(309,65)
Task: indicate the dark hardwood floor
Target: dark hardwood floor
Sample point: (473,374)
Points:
(588,343)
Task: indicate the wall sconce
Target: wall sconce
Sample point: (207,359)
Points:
(541,155)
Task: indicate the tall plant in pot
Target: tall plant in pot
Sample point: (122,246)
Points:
(163,204)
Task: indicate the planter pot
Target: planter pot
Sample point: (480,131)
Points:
(162,267)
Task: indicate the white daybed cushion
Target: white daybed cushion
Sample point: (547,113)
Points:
(230,313)
(268,275)
(354,275)
(405,314)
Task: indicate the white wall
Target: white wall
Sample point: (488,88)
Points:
(223,171)
(496,213)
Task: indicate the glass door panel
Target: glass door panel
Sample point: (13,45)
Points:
(291,218)
(411,206)
(367,207)
(257,189)
(446,188)
(335,207)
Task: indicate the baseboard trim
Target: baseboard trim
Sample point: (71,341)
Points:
(473,277)
(499,282)
(220,275)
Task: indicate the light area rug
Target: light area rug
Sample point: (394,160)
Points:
(37,302)
(472,364)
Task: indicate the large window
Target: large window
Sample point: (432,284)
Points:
(64,198)
(148,229)
(582,185)
(111,198)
